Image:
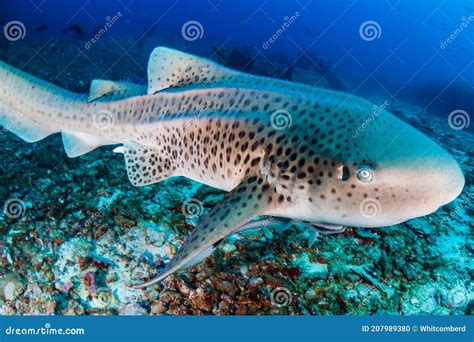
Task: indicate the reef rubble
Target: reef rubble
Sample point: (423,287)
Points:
(85,234)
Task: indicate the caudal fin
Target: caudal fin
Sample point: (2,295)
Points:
(24,103)
(33,109)
(25,128)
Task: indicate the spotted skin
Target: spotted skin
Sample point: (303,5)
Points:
(224,129)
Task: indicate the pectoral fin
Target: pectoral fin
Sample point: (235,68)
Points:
(248,200)
(146,165)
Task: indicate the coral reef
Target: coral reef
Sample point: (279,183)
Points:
(84,233)
(437,97)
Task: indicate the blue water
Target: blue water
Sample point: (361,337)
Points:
(418,55)
(408,60)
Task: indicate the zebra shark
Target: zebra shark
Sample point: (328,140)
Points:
(280,149)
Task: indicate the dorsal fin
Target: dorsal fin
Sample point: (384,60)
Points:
(168,68)
(114,90)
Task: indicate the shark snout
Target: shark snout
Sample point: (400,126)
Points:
(417,185)
(438,181)
(451,181)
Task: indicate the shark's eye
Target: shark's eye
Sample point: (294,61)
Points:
(365,174)
(343,172)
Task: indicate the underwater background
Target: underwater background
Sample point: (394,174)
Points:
(74,232)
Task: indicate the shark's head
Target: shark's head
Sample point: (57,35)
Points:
(389,173)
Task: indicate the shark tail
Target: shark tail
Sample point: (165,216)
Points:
(24,102)
(33,109)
